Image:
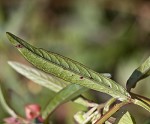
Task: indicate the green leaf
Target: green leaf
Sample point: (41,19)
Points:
(69,92)
(140,73)
(126,119)
(67,69)
(142,104)
(49,81)
(39,77)
(5,105)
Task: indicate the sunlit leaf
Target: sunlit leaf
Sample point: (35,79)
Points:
(5,105)
(69,92)
(39,77)
(141,72)
(126,119)
(68,69)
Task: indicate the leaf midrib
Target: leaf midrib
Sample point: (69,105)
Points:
(108,88)
(59,65)
(33,49)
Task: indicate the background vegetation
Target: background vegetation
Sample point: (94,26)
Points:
(107,36)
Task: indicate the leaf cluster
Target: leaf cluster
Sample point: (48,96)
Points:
(69,79)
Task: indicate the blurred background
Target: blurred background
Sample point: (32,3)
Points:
(105,35)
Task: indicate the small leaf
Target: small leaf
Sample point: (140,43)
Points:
(140,73)
(67,69)
(69,92)
(5,105)
(126,119)
(142,104)
(39,77)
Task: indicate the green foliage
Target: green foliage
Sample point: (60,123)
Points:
(81,30)
(5,105)
(68,69)
(69,79)
(141,72)
(142,104)
(54,84)
(68,93)
(39,77)
(126,119)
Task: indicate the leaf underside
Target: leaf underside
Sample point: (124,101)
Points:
(67,69)
(46,80)
(70,92)
(140,73)
(39,77)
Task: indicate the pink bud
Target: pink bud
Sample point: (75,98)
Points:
(40,119)
(12,120)
(32,111)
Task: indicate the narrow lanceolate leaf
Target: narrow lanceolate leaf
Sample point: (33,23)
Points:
(39,77)
(69,92)
(68,69)
(142,104)
(5,105)
(46,80)
(141,72)
(126,119)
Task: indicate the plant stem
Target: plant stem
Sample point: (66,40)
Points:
(5,105)
(111,112)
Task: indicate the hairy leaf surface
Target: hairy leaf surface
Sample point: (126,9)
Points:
(46,80)
(67,69)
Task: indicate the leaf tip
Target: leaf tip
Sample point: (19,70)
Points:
(11,37)
(8,34)
(14,39)
(10,63)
